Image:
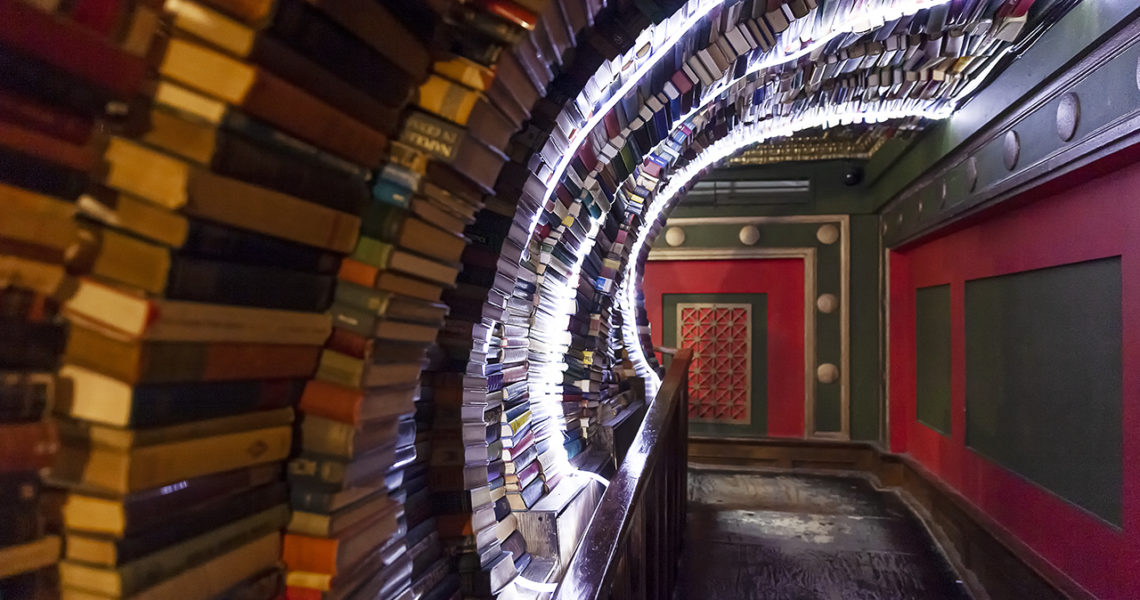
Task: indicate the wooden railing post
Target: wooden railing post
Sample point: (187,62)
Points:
(632,546)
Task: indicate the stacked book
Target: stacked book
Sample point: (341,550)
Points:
(33,332)
(358,481)
(194,320)
(478,382)
(44,159)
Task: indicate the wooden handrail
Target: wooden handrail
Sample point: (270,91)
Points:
(633,542)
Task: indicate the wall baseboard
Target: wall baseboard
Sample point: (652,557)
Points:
(994,563)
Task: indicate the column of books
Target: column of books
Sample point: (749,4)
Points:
(478,379)
(359,526)
(194,322)
(33,332)
(535,75)
(594,387)
(36,232)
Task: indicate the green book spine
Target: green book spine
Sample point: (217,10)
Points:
(356,320)
(363,298)
(373,252)
(382,221)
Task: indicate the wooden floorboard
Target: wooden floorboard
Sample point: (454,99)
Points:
(794,536)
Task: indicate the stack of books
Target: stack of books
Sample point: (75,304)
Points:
(180,381)
(33,332)
(44,158)
(357,483)
(477,385)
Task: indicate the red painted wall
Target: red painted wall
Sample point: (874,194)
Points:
(783,281)
(1097,219)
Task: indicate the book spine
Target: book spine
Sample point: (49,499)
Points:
(312,34)
(301,71)
(155,568)
(160,405)
(331,401)
(20,524)
(306,553)
(249,11)
(145,510)
(166,463)
(382,221)
(314,121)
(447,99)
(432,135)
(364,298)
(205,517)
(71,47)
(102,16)
(26,111)
(359,273)
(31,346)
(245,285)
(173,362)
(211,241)
(24,397)
(239,158)
(27,446)
(355,320)
(40,175)
(270,213)
(350,343)
(371,22)
(45,83)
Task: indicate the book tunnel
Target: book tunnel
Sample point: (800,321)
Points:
(569,299)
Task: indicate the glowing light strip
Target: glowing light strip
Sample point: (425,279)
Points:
(592,122)
(735,141)
(535,586)
(548,376)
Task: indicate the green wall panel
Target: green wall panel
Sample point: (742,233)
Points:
(932,357)
(1044,377)
(759,409)
(866,360)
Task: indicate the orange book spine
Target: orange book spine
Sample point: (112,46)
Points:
(357,272)
(454,525)
(304,553)
(331,401)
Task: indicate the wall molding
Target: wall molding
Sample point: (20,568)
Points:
(1105,83)
(736,250)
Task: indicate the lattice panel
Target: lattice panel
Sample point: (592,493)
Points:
(720,378)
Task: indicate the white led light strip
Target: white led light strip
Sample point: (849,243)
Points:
(734,142)
(582,133)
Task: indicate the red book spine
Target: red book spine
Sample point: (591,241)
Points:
(505,9)
(27,446)
(99,15)
(347,342)
(71,47)
(23,111)
(293,592)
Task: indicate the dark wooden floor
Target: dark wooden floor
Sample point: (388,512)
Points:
(769,536)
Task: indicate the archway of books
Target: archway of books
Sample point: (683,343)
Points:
(393,244)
